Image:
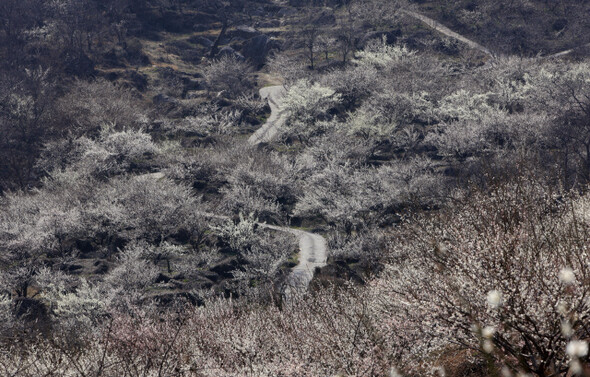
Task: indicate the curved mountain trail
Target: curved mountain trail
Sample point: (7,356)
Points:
(268,131)
(446,31)
(312,253)
(566,52)
(312,247)
(450,33)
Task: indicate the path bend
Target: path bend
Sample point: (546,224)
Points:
(269,130)
(313,252)
(446,31)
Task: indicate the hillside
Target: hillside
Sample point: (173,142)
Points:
(294,188)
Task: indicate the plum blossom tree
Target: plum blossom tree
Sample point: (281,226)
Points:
(25,123)
(345,206)
(350,199)
(305,104)
(500,275)
(563,92)
(88,106)
(229,75)
(263,185)
(133,272)
(34,226)
(153,209)
(111,153)
(77,311)
(261,254)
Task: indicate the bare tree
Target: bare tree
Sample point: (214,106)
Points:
(230,12)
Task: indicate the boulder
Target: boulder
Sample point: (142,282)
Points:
(161,99)
(245,32)
(256,50)
(200,40)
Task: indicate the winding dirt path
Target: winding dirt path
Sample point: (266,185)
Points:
(312,247)
(450,33)
(566,52)
(446,31)
(268,131)
(312,253)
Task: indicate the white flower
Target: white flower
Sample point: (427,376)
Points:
(577,348)
(488,346)
(566,329)
(562,308)
(575,367)
(393,372)
(494,299)
(488,332)
(566,275)
(506,372)
(438,371)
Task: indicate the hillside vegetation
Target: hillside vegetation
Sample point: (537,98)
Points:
(147,230)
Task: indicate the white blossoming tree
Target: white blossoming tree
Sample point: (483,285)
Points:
(499,275)
(306,104)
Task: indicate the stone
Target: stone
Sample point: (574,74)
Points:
(160,99)
(205,42)
(257,49)
(245,32)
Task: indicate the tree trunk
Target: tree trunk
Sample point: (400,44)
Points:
(24,289)
(217,42)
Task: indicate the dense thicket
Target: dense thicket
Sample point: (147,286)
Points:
(450,187)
